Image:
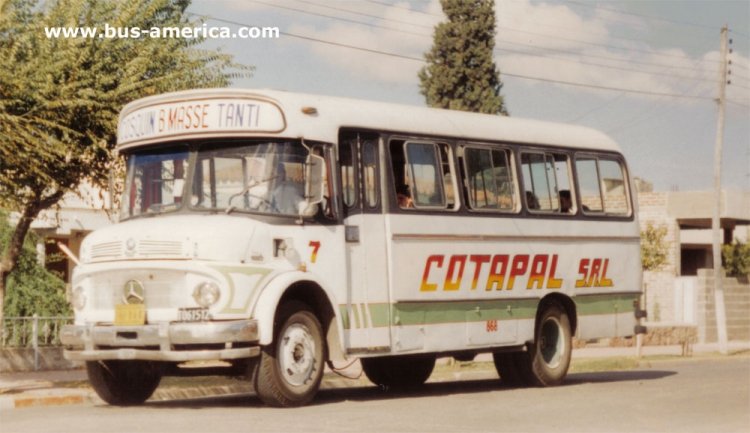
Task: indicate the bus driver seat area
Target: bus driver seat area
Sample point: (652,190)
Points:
(286,196)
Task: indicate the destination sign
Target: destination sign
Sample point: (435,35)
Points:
(200,117)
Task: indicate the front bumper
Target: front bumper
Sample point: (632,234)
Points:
(175,342)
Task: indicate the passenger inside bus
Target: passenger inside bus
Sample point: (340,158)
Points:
(566,203)
(531,201)
(286,196)
(404,197)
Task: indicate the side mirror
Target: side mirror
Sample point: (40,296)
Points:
(314,167)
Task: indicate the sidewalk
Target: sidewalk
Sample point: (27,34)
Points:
(49,388)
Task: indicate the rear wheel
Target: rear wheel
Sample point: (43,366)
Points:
(399,371)
(548,358)
(290,369)
(123,383)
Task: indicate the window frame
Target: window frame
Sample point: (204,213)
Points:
(512,176)
(550,153)
(617,158)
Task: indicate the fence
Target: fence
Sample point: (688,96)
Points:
(32,331)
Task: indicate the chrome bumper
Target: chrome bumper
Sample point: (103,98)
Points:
(157,342)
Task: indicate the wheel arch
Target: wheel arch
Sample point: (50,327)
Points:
(565,302)
(304,289)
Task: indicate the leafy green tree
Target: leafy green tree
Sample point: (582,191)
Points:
(653,248)
(31,289)
(460,73)
(736,258)
(60,97)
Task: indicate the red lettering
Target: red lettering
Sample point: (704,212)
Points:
(497,277)
(594,274)
(450,282)
(538,271)
(583,270)
(478,262)
(604,281)
(430,287)
(518,268)
(552,282)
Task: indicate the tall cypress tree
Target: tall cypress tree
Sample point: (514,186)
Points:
(460,73)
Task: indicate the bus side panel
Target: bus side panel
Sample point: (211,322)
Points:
(465,282)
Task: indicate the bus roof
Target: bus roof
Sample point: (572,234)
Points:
(287,114)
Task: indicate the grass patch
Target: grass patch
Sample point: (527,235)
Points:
(603,364)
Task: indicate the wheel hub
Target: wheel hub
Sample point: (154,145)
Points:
(297,355)
(551,343)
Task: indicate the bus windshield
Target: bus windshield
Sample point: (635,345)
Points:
(266,177)
(256,176)
(155,182)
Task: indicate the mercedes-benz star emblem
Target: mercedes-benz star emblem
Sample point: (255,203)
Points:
(133,292)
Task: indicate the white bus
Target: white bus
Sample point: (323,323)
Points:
(276,231)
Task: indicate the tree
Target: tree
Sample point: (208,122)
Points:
(736,258)
(653,248)
(460,73)
(31,288)
(60,97)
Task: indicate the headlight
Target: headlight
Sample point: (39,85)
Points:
(206,294)
(79,298)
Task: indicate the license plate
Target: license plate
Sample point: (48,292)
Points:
(193,314)
(130,314)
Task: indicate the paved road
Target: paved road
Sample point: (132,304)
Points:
(709,395)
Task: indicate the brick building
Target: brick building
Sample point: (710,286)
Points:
(681,292)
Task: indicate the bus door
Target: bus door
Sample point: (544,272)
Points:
(366,311)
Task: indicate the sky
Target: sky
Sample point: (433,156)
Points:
(644,72)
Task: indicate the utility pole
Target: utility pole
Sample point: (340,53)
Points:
(721,316)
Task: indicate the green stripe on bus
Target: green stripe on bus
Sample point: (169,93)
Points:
(432,313)
(588,305)
(442,312)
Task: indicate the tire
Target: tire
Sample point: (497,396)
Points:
(291,368)
(123,383)
(547,361)
(404,371)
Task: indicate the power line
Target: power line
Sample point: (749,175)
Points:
(532,33)
(364,14)
(505,41)
(404,8)
(739,85)
(738,104)
(508,74)
(650,17)
(339,18)
(615,59)
(599,65)
(322,41)
(594,86)
(603,45)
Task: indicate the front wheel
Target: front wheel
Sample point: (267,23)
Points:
(123,383)
(290,369)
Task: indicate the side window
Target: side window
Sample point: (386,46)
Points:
(370,171)
(348,179)
(603,187)
(613,182)
(546,179)
(425,173)
(489,180)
